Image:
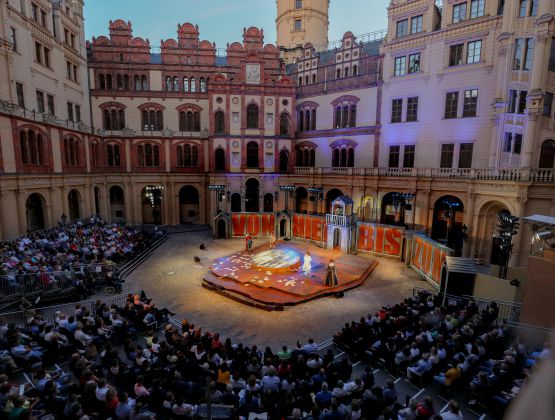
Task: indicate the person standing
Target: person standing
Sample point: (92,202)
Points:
(273,240)
(331,275)
(307,264)
(248,244)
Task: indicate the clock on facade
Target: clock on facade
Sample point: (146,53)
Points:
(253,73)
(235,100)
(270,102)
(235,144)
(269,145)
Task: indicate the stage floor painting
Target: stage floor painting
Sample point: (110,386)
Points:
(271,279)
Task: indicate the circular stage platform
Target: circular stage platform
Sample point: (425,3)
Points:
(277,260)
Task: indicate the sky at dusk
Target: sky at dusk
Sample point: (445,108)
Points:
(222,21)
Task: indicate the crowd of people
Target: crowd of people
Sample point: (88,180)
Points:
(463,349)
(68,246)
(130,363)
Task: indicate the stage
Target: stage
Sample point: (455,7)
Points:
(271,280)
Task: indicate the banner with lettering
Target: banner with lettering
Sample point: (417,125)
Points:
(381,239)
(255,224)
(427,258)
(310,227)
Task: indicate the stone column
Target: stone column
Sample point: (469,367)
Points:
(22,211)
(468,220)
(65,207)
(529,140)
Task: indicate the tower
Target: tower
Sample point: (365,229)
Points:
(299,22)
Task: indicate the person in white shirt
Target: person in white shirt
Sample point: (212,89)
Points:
(80,336)
(102,389)
(271,382)
(453,412)
(310,347)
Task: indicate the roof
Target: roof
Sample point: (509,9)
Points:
(540,220)
(460,265)
(344,198)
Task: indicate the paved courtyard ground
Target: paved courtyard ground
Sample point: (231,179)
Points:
(174,280)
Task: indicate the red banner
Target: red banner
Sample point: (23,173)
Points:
(255,224)
(309,227)
(380,239)
(428,257)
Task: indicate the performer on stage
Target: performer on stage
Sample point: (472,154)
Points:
(248,244)
(307,264)
(273,240)
(331,275)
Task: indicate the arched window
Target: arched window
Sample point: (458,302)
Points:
(176,84)
(144,83)
(345,121)
(94,154)
(31,145)
(345,115)
(109,82)
(102,81)
(137,83)
(202,84)
(343,154)
(119,80)
(306,79)
(350,158)
(338,117)
(353,116)
(148,155)
(335,158)
(113,118)
(152,118)
(338,74)
(300,81)
(355,70)
(219,122)
(284,124)
(219,160)
(313,120)
(196,126)
(113,155)
(189,120)
(185,84)
(252,155)
(126,82)
(301,120)
(299,159)
(168,84)
(314,78)
(71,151)
(187,156)
(307,119)
(193,85)
(346,71)
(306,155)
(547,154)
(252,116)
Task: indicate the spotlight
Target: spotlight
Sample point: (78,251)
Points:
(544,235)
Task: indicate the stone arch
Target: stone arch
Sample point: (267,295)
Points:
(35,207)
(447,222)
(331,195)
(189,204)
(485,235)
(301,200)
(252,195)
(117,203)
(74,202)
(151,204)
(393,208)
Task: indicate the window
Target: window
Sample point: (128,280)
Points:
(416,24)
(355,73)
(470,103)
(219,160)
(20,95)
(40,101)
(465,155)
(50,103)
(185,84)
(68,69)
(451,105)
(343,157)
(77,113)
(126,78)
(547,154)
(202,84)
(529,54)
(459,12)
(402,28)
(187,156)
(512,143)
(396,110)
(522,101)
(346,72)
(193,85)
(523,8)
(408,156)
(38,52)
(552,56)
(153,119)
(477,8)
(219,122)
(71,151)
(338,75)
(507,142)
(298,24)
(447,152)
(414,63)
(169,85)
(513,101)
(35,12)
(252,116)
(547,104)
(114,119)
(400,66)
(47,57)
(189,121)
(13,38)
(534,8)
(394,153)
(298,4)
(113,155)
(306,156)
(149,155)
(412,109)
(284,124)
(252,155)
(345,116)
(70,111)
(473,52)
(456,55)
(31,147)
(43,18)
(517,58)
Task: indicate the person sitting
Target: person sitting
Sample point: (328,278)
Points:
(449,377)
(421,367)
(323,397)
(453,412)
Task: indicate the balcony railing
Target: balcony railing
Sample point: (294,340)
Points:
(334,219)
(488,174)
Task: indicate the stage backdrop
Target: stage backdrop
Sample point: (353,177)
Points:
(380,239)
(255,224)
(427,258)
(308,227)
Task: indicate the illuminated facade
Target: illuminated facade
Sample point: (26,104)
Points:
(142,136)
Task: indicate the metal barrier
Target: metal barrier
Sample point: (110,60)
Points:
(509,311)
(49,312)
